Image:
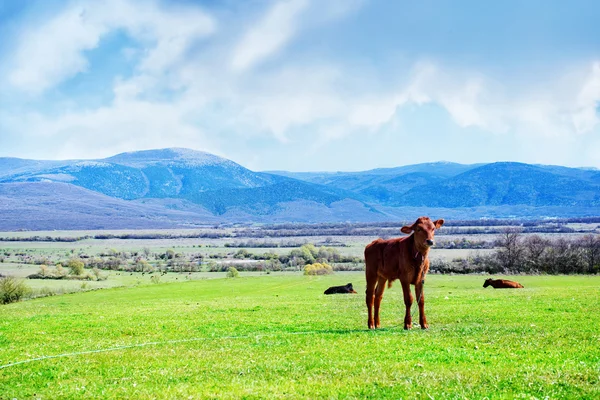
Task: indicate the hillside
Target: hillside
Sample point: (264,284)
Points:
(501,184)
(451,185)
(175,187)
(50,205)
(383,185)
(151,174)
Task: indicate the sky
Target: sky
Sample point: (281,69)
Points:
(303,85)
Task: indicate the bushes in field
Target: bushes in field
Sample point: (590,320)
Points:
(295,260)
(171,260)
(514,252)
(60,273)
(12,289)
(99,275)
(308,254)
(75,266)
(318,269)
(536,254)
(517,253)
(232,272)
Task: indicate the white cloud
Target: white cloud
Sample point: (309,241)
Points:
(53,51)
(123,126)
(269,34)
(208,93)
(561,107)
(585,116)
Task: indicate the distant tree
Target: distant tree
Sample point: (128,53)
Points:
(534,249)
(59,271)
(563,257)
(44,270)
(98,274)
(232,272)
(590,245)
(143,266)
(242,254)
(309,252)
(12,289)
(75,266)
(510,252)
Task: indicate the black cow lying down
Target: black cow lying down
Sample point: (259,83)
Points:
(340,289)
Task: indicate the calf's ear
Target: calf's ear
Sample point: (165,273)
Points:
(406,229)
(438,223)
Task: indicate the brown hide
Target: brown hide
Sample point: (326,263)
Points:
(403,258)
(502,284)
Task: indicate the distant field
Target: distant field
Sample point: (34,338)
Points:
(208,249)
(113,279)
(280,337)
(352,245)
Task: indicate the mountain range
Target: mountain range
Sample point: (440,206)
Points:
(184,188)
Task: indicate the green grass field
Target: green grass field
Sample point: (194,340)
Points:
(280,337)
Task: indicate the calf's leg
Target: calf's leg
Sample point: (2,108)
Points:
(421,302)
(378,296)
(369,300)
(408,303)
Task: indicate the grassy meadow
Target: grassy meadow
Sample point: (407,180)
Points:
(278,336)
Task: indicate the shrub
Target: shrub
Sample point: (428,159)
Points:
(232,272)
(59,271)
(318,269)
(242,254)
(99,276)
(155,278)
(75,266)
(44,270)
(353,266)
(44,292)
(12,289)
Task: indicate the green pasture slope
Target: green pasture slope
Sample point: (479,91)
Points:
(280,337)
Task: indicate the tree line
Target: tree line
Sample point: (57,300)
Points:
(531,254)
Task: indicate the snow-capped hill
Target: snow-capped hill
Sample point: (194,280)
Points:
(219,187)
(169,156)
(214,188)
(162,173)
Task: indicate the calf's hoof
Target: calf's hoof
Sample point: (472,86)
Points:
(424,326)
(407,326)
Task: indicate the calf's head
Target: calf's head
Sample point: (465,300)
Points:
(424,231)
(487,283)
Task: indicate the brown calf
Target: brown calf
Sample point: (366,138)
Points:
(502,284)
(403,258)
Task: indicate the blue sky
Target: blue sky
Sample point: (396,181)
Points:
(303,85)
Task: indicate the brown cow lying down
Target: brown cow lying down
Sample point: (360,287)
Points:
(502,284)
(340,289)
